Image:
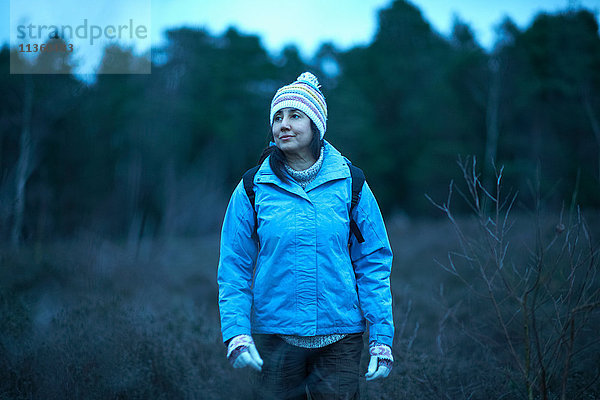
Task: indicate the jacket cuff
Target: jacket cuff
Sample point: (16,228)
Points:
(383,334)
(233,331)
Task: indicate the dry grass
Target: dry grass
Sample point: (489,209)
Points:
(89,319)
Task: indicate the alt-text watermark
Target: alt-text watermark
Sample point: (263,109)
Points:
(103,39)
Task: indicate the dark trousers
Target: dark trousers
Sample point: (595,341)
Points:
(288,372)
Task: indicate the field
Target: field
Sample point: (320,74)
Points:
(93,319)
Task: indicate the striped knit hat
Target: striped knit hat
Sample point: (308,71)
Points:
(303,94)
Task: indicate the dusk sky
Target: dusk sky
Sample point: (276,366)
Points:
(305,23)
(346,23)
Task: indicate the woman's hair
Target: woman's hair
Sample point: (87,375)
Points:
(277,160)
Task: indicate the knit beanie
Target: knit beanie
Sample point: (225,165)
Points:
(303,94)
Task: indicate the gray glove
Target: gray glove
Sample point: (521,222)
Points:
(241,352)
(381,361)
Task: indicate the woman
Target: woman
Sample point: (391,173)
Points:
(296,289)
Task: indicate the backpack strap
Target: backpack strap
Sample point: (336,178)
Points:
(358,180)
(248,179)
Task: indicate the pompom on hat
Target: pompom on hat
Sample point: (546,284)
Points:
(305,95)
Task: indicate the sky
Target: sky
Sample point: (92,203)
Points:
(347,23)
(305,23)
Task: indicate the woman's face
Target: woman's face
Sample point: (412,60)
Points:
(292,132)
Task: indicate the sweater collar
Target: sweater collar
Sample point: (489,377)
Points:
(304,177)
(334,167)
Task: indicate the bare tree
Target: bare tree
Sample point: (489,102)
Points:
(24,162)
(595,125)
(544,309)
(492,109)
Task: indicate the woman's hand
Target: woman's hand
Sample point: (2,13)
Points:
(381,361)
(241,352)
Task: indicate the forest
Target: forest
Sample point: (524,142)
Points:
(485,163)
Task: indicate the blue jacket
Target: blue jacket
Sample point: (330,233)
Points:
(304,279)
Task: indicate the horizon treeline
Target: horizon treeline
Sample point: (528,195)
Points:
(158,155)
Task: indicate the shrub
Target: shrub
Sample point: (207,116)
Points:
(542,305)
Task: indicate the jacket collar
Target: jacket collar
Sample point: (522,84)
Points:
(334,167)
